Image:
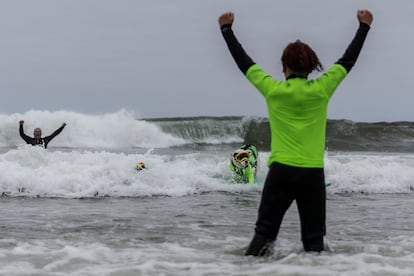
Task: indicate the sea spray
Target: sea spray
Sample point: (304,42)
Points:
(105,131)
(35,172)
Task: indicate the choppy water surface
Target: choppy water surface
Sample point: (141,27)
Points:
(202,234)
(80,208)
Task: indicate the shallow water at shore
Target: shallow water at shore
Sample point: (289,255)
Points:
(203,234)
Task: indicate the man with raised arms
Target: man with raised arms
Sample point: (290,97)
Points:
(38,140)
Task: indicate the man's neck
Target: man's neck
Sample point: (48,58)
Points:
(289,74)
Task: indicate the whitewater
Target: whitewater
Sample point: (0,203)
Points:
(80,207)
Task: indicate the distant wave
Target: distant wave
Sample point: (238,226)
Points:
(341,135)
(122,130)
(381,136)
(207,130)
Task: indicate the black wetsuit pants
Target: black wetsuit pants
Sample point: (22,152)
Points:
(283,185)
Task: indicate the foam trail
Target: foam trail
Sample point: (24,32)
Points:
(33,171)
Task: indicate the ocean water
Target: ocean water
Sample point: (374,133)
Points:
(80,208)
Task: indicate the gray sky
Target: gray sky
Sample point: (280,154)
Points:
(167,58)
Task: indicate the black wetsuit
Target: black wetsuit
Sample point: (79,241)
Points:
(286,183)
(42,141)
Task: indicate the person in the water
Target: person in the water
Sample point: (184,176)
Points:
(243,164)
(38,140)
(297,109)
(140,166)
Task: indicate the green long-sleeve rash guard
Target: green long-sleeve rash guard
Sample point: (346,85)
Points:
(297,107)
(297,110)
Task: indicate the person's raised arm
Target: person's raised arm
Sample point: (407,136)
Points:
(352,52)
(242,60)
(54,134)
(22,134)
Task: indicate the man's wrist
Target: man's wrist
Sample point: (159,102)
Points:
(225,27)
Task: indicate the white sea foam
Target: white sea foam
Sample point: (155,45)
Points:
(370,173)
(32,171)
(81,258)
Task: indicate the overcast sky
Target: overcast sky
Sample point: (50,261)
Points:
(168,59)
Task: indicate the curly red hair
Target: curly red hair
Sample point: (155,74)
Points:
(300,58)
